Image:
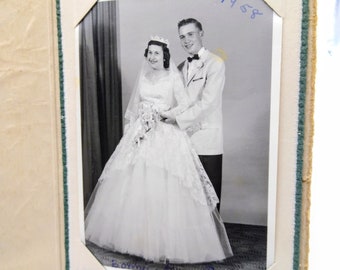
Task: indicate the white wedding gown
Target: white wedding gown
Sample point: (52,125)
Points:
(154,199)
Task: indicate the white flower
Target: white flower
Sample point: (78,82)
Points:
(199,63)
(149,116)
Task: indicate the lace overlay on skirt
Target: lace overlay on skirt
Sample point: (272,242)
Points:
(154,198)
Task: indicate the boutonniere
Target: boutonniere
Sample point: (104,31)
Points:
(199,63)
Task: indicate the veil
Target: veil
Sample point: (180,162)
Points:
(131,113)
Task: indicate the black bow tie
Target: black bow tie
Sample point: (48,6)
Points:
(195,57)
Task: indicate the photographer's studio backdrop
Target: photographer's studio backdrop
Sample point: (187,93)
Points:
(113,37)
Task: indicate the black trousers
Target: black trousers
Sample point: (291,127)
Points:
(213,167)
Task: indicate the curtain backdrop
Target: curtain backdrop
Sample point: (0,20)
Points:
(101,94)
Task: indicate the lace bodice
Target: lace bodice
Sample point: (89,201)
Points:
(165,94)
(161,93)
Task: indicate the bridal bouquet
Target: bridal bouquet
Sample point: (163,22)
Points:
(149,116)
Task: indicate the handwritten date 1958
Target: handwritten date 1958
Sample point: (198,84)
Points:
(246,8)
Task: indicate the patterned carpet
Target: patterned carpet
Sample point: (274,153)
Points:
(248,243)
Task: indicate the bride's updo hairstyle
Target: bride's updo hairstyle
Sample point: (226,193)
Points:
(166,52)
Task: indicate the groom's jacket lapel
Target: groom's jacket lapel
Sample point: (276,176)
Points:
(184,69)
(193,76)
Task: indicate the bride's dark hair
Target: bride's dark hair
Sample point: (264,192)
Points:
(166,52)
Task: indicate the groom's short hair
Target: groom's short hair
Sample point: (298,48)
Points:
(190,20)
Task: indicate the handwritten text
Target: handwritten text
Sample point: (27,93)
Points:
(245,8)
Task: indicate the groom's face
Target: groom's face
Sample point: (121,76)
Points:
(191,38)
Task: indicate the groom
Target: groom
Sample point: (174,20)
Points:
(204,76)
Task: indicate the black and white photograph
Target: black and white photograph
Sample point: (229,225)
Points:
(179,129)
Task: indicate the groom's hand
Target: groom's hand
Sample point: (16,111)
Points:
(170,121)
(167,117)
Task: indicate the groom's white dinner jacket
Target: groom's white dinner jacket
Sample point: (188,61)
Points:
(203,118)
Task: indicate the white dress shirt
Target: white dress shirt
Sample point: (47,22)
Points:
(191,64)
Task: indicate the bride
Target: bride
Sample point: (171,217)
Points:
(153,198)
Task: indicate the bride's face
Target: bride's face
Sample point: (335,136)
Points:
(155,57)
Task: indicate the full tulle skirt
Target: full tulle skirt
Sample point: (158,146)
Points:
(151,201)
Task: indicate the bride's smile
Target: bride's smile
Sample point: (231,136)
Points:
(155,57)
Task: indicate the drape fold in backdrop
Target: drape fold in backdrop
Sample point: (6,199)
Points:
(101,91)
